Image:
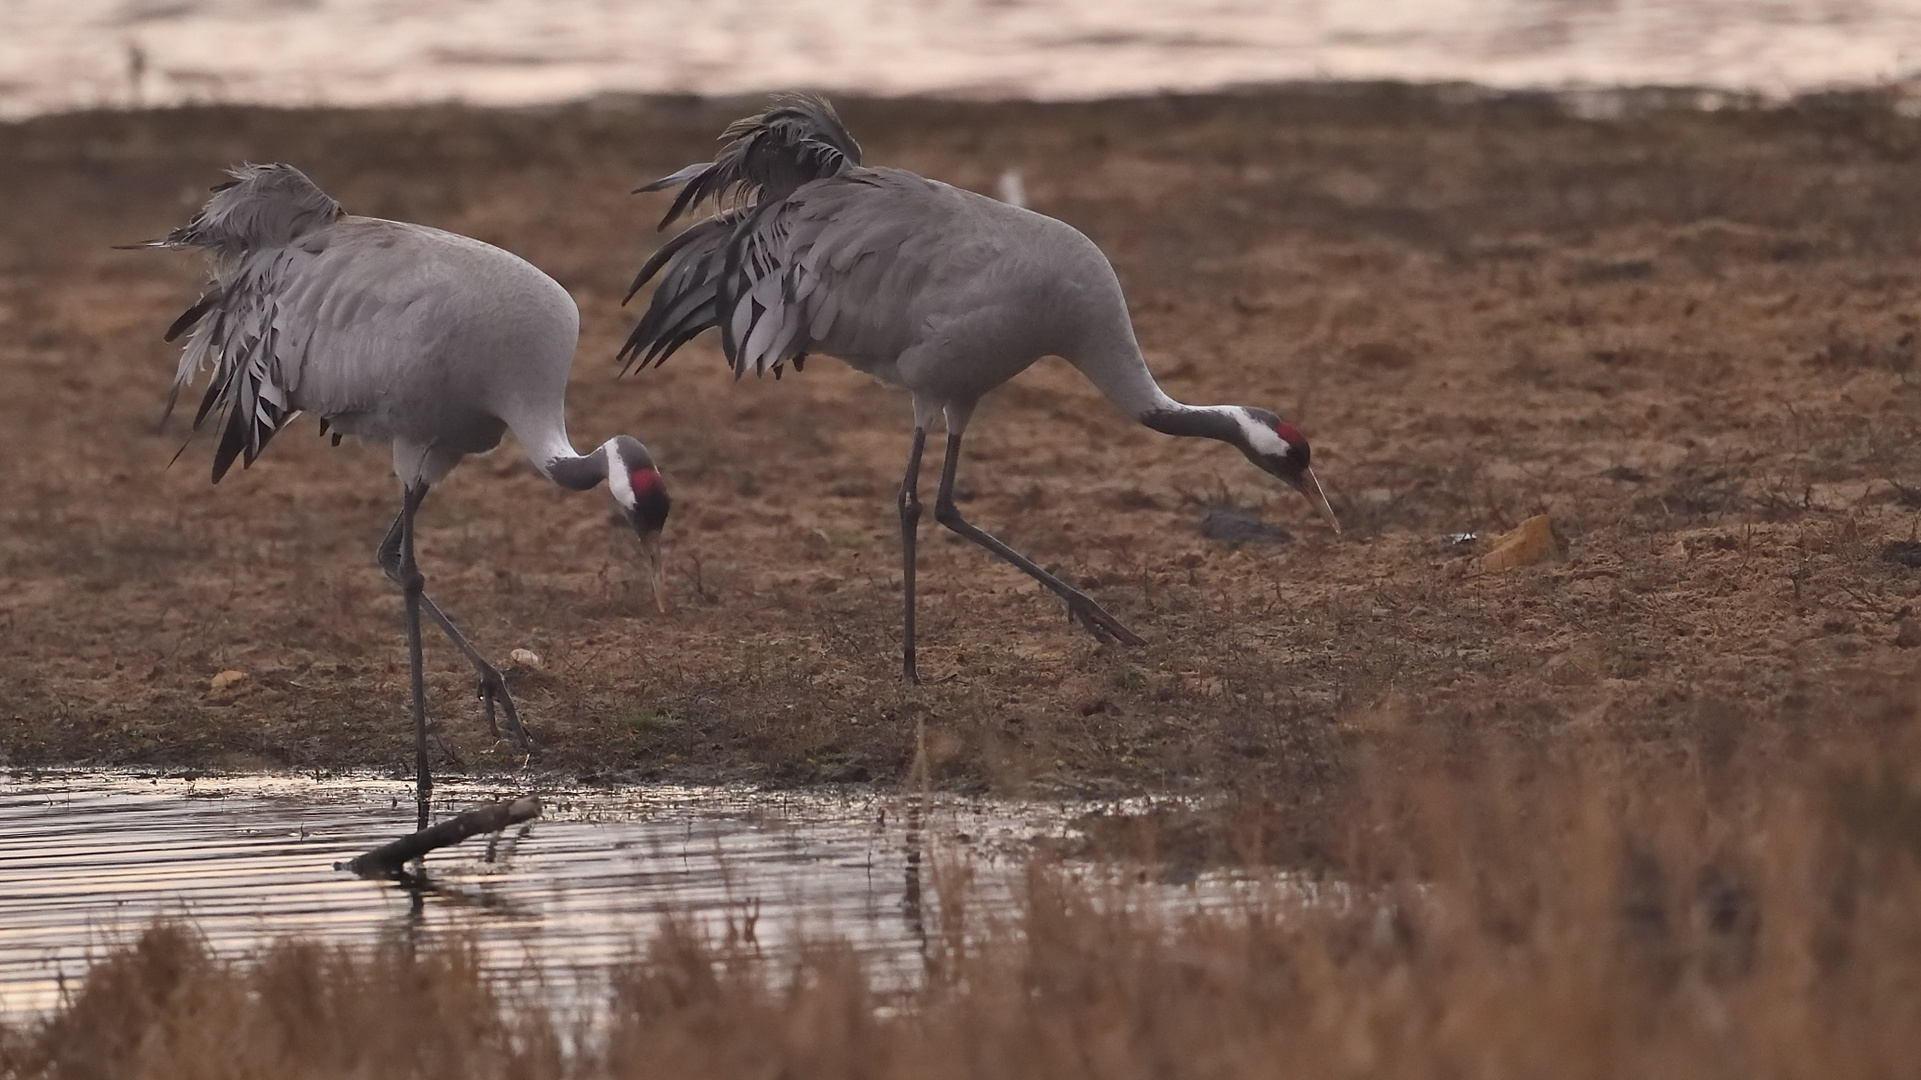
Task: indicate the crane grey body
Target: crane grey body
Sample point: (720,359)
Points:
(432,343)
(939,290)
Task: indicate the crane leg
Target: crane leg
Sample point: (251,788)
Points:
(909,533)
(412,586)
(1091,615)
(492,688)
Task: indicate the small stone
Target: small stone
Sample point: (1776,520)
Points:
(226,681)
(1909,635)
(1240,527)
(526,658)
(1903,553)
(1530,542)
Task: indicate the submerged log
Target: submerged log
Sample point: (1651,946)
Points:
(388,860)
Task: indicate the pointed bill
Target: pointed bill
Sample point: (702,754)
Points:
(656,569)
(1311,487)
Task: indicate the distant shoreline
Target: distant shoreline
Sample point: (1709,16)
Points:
(62,55)
(1579,101)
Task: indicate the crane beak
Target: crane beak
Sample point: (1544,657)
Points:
(1310,486)
(656,569)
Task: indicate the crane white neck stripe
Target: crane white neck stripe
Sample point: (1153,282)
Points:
(619,481)
(1263,439)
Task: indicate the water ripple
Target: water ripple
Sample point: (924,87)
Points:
(90,859)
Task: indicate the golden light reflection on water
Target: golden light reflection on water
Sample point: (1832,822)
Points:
(87,859)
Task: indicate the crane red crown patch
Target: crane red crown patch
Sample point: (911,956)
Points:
(1290,434)
(644,480)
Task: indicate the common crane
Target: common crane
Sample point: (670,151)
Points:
(434,343)
(942,291)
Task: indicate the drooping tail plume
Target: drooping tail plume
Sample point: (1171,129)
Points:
(262,206)
(767,156)
(233,326)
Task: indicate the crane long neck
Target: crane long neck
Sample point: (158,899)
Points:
(1116,367)
(554,456)
(577,472)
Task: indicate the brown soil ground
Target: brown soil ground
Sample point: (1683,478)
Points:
(1689,337)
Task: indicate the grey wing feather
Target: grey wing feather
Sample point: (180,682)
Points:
(785,279)
(256,347)
(685,303)
(251,228)
(676,178)
(261,206)
(192,315)
(766,157)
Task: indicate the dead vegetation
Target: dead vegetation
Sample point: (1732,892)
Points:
(1504,912)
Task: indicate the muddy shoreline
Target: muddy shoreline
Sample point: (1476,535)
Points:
(1687,336)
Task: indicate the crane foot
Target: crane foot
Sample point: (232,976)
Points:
(1104,627)
(492,691)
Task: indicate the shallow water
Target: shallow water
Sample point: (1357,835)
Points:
(63,54)
(88,859)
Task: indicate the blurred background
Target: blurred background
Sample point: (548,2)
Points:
(67,54)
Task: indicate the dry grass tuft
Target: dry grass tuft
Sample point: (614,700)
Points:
(1566,913)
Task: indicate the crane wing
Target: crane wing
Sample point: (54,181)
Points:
(245,328)
(830,268)
(765,157)
(304,326)
(260,228)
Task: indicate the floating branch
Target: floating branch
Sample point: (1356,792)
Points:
(388,859)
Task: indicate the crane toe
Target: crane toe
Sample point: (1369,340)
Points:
(492,691)
(1105,628)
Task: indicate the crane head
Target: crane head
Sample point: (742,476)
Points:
(641,494)
(647,503)
(1280,449)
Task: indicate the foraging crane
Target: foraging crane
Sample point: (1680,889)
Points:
(398,333)
(920,284)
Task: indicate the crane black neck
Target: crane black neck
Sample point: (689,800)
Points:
(579,473)
(583,471)
(1198,421)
